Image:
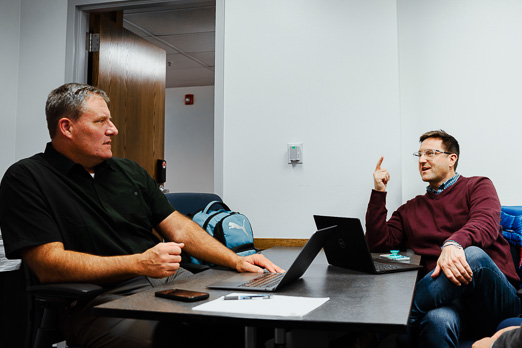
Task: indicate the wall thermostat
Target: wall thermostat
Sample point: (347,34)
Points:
(295,153)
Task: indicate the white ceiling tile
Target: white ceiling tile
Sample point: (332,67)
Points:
(186,31)
(196,77)
(179,61)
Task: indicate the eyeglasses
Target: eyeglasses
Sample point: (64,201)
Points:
(430,153)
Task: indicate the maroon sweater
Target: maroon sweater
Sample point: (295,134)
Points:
(467,212)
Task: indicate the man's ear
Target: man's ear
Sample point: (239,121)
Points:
(453,159)
(65,126)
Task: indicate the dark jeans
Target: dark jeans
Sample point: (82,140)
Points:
(440,308)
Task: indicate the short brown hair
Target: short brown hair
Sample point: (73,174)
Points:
(449,142)
(69,100)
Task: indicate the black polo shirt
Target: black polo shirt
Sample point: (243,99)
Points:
(48,198)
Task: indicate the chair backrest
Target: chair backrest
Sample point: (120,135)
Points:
(511,221)
(188,203)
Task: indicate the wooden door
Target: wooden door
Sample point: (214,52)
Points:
(132,71)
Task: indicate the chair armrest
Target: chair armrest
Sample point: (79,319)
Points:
(69,291)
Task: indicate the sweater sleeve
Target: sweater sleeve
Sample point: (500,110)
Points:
(483,224)
(382,235)
(511,338)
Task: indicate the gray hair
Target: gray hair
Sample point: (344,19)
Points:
(68,101)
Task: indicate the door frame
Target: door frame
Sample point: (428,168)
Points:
(76,59)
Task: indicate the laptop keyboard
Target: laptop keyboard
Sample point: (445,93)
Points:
(385,266)
(265,280)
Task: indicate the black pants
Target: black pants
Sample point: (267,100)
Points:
(83,329)
(13,309)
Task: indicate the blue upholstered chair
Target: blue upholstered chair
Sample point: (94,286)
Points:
(189,203)
(511,222)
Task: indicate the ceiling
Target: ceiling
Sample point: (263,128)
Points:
(186,31)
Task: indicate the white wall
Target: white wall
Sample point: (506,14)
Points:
(460,70)
(42,68)
(321,73)
(325,73)
(9,37)
(189,140)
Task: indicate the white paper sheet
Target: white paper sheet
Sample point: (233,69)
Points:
(278,305)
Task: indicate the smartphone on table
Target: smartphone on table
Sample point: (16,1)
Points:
(182,295)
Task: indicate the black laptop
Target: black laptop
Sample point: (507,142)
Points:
(274,281)
(347,248)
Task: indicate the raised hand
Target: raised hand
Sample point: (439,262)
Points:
(381,177)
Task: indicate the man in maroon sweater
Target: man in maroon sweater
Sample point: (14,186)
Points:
(455,227)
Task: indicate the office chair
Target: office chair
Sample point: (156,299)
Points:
(46,302)
(511,222)
(188,204)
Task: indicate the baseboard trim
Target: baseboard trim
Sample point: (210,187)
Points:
(265,243)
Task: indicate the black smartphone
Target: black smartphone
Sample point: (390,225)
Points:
(182,295)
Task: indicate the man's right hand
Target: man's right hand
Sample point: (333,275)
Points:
(161,260)
(380,177)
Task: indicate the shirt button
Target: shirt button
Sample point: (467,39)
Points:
(135,193)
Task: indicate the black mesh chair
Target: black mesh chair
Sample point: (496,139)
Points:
(47,302)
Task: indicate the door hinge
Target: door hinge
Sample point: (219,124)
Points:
(93,42)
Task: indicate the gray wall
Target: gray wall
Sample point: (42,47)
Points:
(10,38)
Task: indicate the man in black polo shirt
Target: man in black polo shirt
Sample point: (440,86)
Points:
(76,214)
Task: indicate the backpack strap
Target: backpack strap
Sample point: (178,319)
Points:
(207,208)
(207,221)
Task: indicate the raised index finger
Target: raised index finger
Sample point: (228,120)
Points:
(378,167)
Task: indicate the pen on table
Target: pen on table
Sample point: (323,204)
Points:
(247,297)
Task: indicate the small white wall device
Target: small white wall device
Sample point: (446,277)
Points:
(295,153)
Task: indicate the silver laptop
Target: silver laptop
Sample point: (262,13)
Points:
(348,248)
(274,281)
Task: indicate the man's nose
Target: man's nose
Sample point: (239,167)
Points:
(112,130)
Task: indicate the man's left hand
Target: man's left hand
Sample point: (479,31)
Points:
(452,261)
(256,263)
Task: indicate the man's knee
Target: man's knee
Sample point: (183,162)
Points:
(476,256)
(442,318)
(440,327)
